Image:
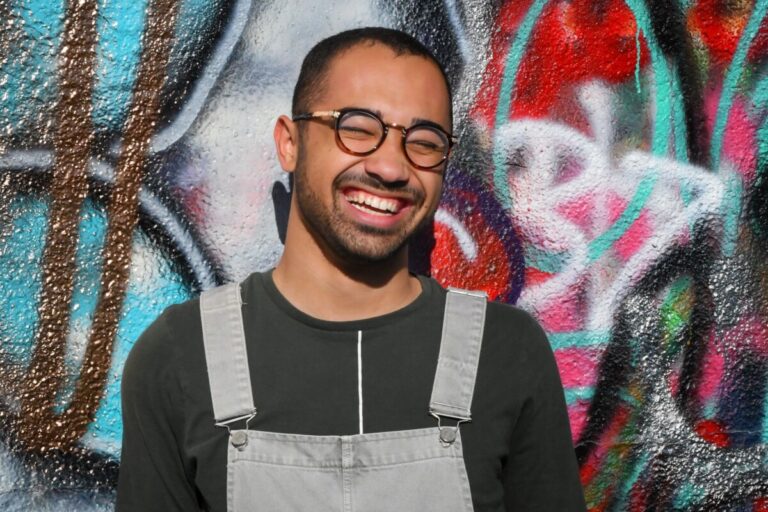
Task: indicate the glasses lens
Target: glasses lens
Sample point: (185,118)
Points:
(359,132)
(426,146)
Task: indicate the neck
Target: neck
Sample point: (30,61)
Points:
(323,287)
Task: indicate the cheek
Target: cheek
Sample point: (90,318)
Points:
(434,189)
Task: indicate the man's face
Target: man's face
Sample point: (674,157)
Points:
(364,209)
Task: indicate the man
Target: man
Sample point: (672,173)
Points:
(345,386)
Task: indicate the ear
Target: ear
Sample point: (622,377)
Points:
(286,142)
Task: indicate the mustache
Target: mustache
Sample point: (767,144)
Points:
(408,192)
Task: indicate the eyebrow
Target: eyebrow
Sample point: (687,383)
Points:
(414,120)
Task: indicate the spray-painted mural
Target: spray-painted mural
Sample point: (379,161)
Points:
(612,178)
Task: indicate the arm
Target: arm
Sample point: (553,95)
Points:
(541,473)
(152,471)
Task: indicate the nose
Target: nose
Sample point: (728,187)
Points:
(388,163)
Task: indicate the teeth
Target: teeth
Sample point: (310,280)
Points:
(358,198)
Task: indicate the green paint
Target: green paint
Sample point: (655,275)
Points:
(675,312)
(579,339)
(573,395)
(602,243)
(514,58)
(735,70)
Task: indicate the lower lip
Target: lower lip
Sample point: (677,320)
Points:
(387,221)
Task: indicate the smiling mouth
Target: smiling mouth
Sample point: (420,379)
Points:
(373,204)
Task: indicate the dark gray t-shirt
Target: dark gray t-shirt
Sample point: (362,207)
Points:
(517,448)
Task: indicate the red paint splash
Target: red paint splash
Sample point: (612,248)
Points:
(713,432)
(572,42)
(719,25)
(489,271)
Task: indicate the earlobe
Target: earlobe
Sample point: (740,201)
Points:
(286,142)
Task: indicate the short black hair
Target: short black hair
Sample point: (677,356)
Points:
(314,68)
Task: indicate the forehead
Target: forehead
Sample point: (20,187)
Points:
(401,87)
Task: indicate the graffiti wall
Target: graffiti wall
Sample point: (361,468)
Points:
(612,178)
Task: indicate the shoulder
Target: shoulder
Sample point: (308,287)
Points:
(164,345)
(511,334)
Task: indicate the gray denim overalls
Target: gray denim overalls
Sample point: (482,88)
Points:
(410,470)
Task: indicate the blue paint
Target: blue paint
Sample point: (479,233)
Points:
(740,406)
(514,58)
(146,297)
(732,76)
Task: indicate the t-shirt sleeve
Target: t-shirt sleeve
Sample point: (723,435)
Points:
(541,473)
(152,472)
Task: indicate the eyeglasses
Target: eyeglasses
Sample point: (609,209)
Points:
(361,132)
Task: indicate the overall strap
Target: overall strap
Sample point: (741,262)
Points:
(225,353)
(463,325)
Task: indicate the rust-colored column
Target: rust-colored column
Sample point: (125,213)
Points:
(72,149)
(41,428)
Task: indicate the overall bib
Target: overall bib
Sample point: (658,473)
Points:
(403,471)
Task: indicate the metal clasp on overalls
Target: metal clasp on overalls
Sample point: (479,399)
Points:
(238,438)
(448,434)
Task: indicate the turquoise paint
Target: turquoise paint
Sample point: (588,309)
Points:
(20,278)
(762,143)
(29,71)
(765,420)
(631,479)
(663,80)
(687,495)
(732,76)
(146,297)
(120,27)
(549,262)
(638,89)
(760,96)
(573,395)
(602,243)
(679,126)
(31,86)
(514,58)
(578,339)
(732,207)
